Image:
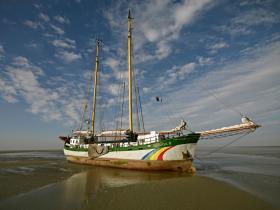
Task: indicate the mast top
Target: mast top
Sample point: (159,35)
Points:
(129,15)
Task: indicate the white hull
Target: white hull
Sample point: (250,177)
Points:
(179,152)
(75,153)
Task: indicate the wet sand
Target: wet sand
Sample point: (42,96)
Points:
(44,180)
(118,189)
(21,175)
(179,193)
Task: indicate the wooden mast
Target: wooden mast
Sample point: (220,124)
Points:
(95,83)
(129,61)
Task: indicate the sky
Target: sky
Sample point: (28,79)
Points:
(207,60)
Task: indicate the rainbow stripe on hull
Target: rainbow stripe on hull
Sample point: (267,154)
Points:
(156,154)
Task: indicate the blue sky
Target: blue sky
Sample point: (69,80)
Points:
(184,51)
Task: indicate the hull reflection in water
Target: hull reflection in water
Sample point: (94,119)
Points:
(78,190)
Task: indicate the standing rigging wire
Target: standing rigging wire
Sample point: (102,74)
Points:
(142,118)
(179,115)
(117,115)
(100,101)
(134,81)
(119,110)
(85,103)
(225,105)
(136,99)
(165,102)
(122,104)
(227,144)
(100,104)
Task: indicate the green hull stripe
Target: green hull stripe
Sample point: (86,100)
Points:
(191,138)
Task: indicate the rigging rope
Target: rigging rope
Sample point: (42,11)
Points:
(100,100)
(134,81)
(118,112)
(122,104)
(142,118)
(83,114)
(159,99)
(227,144)
(227,106)
(136,99)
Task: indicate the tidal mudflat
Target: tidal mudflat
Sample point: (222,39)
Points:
(44,180)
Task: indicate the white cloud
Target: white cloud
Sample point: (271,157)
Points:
(166,20)
(235,30)
(32,45)
(249,84)
(217,46)
(245,22)
(113,89)
(71,110)
(175,74)
(24,63)
(146,89)
(24,83)
(21,61)
(2,52)
(57,29)
(204,61)
(20,82)
(64,43)
(37,6)
(62,20)
(31,24)
(44,17)
(112,63)
(68,57)
(256,17)
(8,92)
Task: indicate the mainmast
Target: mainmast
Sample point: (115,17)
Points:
(95,83)
(129,61)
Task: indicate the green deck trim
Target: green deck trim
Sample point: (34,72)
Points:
(77,149)
(187,139)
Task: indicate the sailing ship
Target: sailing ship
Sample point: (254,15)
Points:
(155,150)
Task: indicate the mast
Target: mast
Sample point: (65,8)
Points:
(95,83)
(129,62)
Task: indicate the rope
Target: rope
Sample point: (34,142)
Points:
(84,109)
(136,99)
(142,118)
(229,143)
(159,99)
(134,81)
(227,106)
(122,104)
(117,115)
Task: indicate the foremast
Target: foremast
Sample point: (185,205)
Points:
(129,62)
(95,84)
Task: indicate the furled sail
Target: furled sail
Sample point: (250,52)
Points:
(113,132)
(82,133)
(180,127)
(247,125)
